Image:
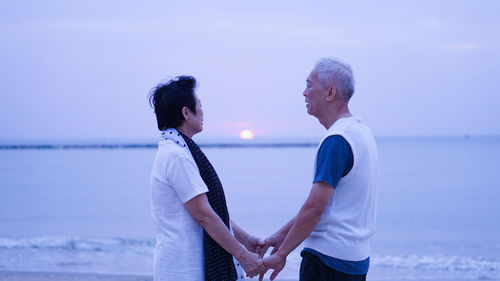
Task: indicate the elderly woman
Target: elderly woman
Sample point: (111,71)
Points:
(195,238)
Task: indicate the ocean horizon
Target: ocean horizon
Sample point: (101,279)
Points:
(139,143)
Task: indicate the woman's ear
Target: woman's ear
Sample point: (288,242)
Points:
(185,112)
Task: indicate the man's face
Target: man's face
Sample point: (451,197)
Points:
(314,94)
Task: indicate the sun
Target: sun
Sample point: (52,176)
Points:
(246,135)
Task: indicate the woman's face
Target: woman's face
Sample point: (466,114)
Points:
(195,121)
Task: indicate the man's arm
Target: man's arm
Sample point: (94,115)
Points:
(276,239)
(306,220)
(334,160)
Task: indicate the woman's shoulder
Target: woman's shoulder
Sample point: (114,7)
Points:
(171,150)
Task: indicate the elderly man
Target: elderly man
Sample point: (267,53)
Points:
(337,220)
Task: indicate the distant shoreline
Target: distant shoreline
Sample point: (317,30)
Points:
(150,146)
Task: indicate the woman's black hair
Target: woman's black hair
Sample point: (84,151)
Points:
(168,100)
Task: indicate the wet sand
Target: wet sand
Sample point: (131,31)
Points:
(63,276)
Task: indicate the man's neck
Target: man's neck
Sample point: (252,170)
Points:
(331,117)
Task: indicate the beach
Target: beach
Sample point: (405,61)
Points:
(63,276)
(58,276)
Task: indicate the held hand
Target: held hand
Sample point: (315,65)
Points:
(255,245)
(252,264)
(275,262)
(274,241)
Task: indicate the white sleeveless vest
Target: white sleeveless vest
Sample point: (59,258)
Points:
(348,221)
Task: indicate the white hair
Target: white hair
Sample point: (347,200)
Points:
(334,72)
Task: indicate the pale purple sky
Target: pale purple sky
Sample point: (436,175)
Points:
(82,69)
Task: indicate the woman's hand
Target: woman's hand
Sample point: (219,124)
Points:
(251,243)
(254,245)
(252,264)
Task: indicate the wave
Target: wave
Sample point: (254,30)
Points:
(437,263)
(118,255)
(73,243)
(443,263)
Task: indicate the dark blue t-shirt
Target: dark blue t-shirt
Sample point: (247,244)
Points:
(335,160)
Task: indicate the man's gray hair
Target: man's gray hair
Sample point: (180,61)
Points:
(334,72)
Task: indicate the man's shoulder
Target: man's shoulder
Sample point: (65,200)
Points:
(334,140)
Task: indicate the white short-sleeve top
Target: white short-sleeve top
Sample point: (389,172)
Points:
(175,179)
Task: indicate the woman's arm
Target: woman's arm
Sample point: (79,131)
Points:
(202,212)
(252,243)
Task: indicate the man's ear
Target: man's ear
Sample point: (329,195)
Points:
(332,92)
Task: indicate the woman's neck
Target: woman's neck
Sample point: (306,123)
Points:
(186,131)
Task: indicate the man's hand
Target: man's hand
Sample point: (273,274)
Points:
(276,262)
(274,241)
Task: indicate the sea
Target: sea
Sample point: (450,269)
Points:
(74,208)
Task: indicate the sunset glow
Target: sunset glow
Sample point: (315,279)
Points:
(246,135)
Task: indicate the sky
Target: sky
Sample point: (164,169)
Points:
(83,69)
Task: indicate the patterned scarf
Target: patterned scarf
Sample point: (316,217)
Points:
(219,264)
